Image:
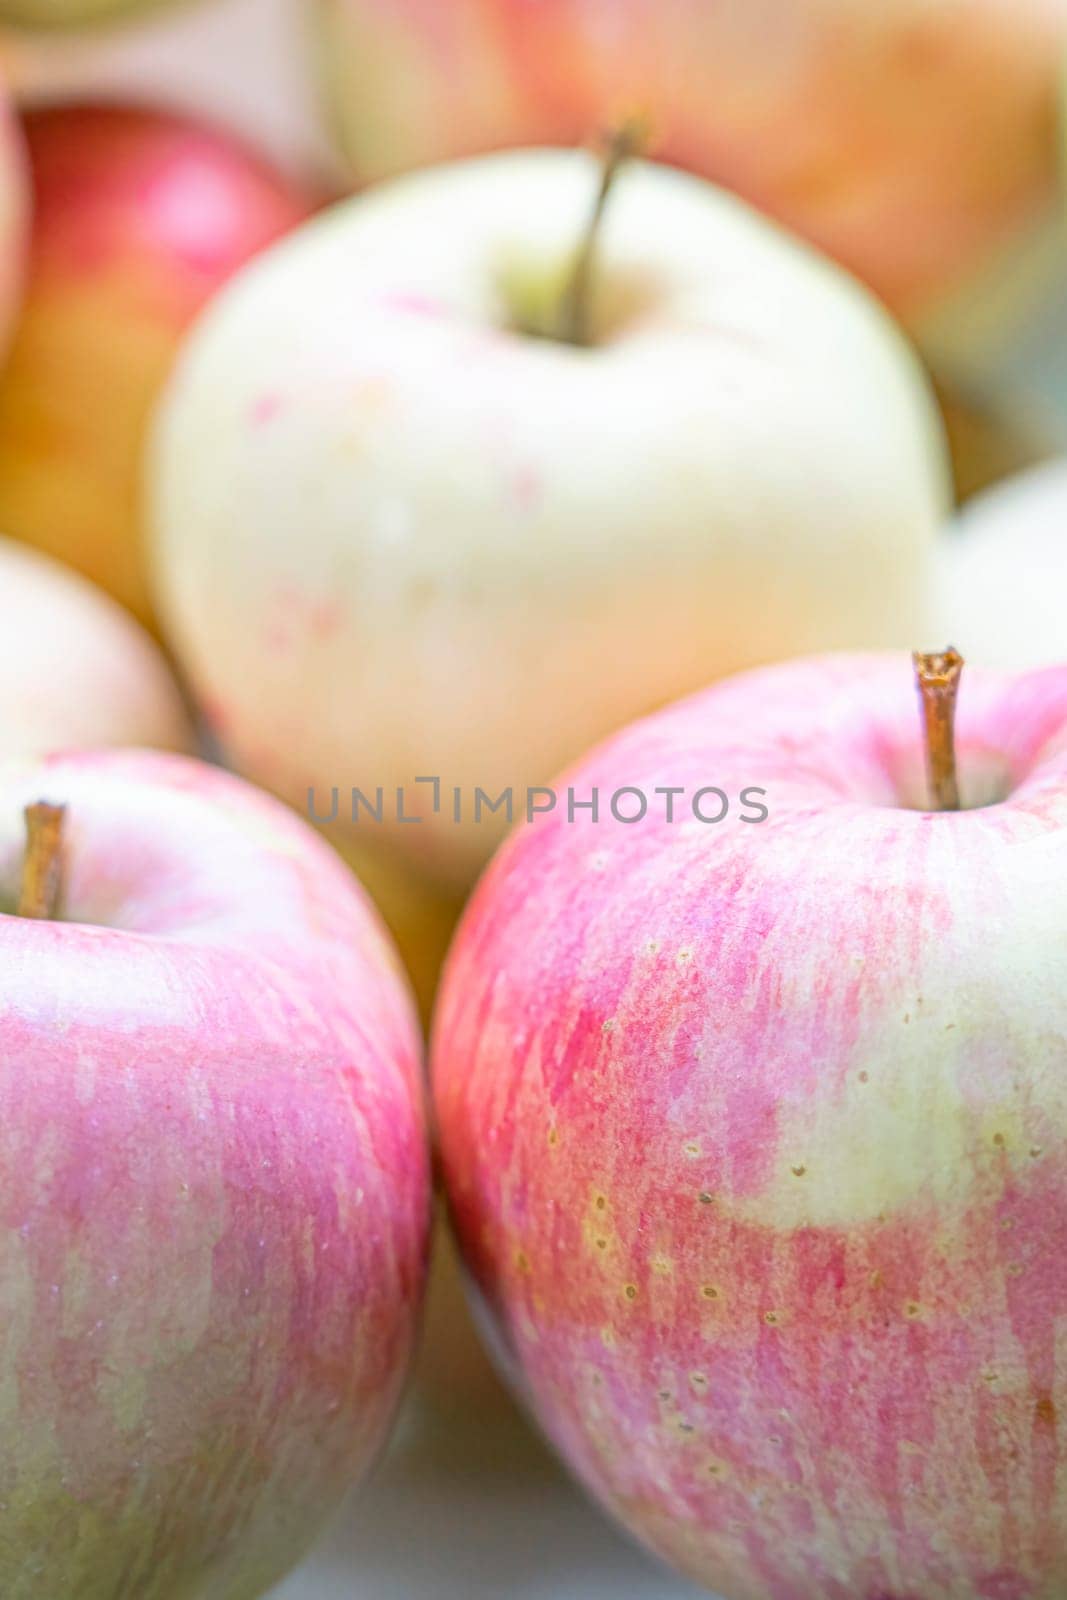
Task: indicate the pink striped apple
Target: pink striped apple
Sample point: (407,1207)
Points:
(139,217)
(912,141)
(214,1184)
(756,1134)
(75,669)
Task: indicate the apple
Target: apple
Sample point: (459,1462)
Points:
(75,669)
(755,1132)
(913,142)
(402,530)
(139,217)
(214,1182)
(1002,569)
(13,219)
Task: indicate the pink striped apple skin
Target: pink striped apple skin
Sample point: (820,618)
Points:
(13,220)
(755,1137)
(138,218)
(909,139)
(214,1188)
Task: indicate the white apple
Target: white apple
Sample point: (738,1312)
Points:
(400,531)
(75,669)
(1001,573)
(214,1184)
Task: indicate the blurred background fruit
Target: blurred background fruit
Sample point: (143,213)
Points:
(399,531)
(68,13)
(76,671)
(13,218)
(913,140)
(1001,573)
(138,217)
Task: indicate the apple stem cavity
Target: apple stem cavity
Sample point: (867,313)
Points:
(42,867)
(937,676)
(628,140)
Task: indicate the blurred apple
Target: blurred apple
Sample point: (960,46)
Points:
(1001,573)
(13,219)
(139,217)
(68,13)
(76,671)
(911,139)
(403,529)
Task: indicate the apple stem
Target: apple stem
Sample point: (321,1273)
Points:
(627,141)
(42,867)
(937,677)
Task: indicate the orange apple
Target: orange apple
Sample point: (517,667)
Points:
(910,139)
(139,217)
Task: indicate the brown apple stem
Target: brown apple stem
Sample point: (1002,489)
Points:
(42,867)
(627,141)
(937,676)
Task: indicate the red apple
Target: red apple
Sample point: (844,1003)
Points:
(13,218)
(139,217)
(910,140)
(755,1134)
(214,1185)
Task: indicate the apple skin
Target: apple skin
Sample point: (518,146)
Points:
(755,1138)
(75,669)
(912,142)
(749,465)
(214,1188)
(1001,569)
(139,217)
(13,219)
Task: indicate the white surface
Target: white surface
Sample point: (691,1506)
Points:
(468,1504)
